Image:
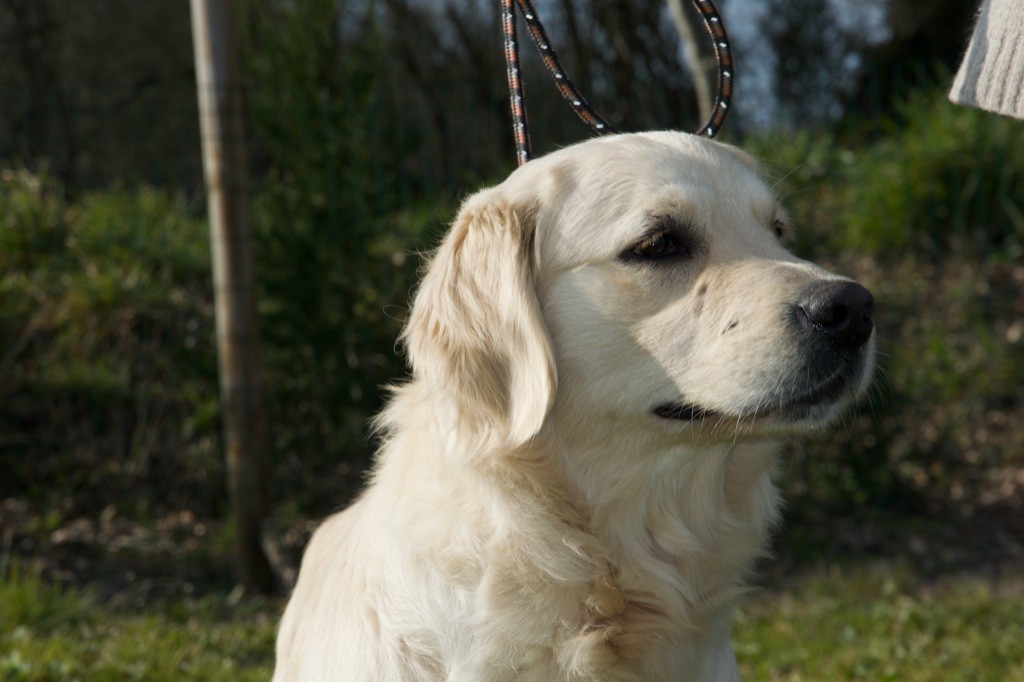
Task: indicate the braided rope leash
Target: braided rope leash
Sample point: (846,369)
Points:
(723,58)
(520,127)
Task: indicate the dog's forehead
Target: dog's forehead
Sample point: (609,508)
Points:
(658,158)
(625,169)
(610,187)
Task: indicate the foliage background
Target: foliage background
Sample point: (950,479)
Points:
(369,122)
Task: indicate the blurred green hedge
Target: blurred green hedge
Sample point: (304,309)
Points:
(106,328)
(935,180)
(928,210)
(108,363)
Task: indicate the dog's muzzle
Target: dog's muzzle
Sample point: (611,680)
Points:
(833,322)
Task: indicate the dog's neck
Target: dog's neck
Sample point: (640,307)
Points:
(693,516)
(656,543)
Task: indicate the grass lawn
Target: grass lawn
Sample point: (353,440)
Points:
(856,624)
(877,625)
(49,633)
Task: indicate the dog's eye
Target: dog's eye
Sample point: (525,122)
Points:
(657,245)
(780,228)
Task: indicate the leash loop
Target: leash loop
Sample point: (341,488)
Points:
(564,84)
(520,127)
(723,58)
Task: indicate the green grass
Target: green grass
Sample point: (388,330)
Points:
(836,625)
(877,625)
(53,633)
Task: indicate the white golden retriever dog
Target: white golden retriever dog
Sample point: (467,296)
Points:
(575,481)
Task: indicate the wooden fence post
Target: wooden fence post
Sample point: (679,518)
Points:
(224,165)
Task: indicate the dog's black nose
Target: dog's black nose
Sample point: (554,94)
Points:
(840,309)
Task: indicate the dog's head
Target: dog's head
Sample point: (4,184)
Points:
(648,269)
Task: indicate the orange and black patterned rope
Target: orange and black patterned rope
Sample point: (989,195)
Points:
(579,104)
(723,57)
(520,129)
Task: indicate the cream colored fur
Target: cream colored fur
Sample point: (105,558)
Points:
(529,518)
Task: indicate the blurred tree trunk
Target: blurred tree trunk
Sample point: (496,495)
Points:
(224,164)
(683,18)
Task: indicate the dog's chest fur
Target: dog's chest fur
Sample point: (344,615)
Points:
(636,582)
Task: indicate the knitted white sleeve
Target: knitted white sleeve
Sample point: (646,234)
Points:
(991,75)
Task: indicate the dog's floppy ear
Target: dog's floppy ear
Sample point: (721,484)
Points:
(476,334)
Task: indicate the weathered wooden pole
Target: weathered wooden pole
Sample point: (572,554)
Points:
(224,165)
(699,66)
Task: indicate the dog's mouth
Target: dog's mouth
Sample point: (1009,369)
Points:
(783,405)
(827,392)
(686,412)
